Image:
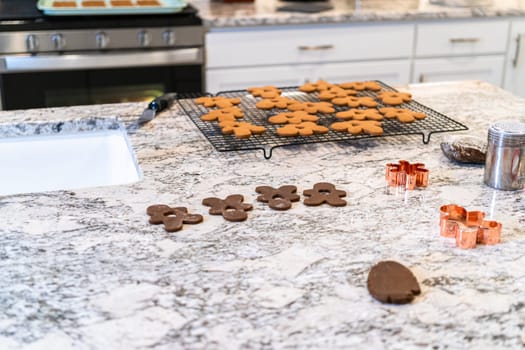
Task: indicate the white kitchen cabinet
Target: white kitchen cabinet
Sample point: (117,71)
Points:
(289,56)
(390,72)
(240,78)
(486,68)
(515,60)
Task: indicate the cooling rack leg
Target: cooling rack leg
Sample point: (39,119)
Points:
(426,137)
(267,152)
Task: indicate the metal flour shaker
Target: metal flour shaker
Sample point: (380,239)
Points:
(505,158)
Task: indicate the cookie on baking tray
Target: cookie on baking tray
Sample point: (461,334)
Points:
(296,117)
(361,85)
(241,130)
(356,127)
(312,107)
(360,114)
(353,101)
(402,114)
(394,97)
(230,113)
(268,91)
(217,101)
(302,129)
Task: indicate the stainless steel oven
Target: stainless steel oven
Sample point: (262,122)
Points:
(92,60)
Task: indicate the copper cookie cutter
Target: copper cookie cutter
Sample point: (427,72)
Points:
(406,175)
(468,227)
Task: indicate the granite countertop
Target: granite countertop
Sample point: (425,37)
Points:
(83,269)
(265,12)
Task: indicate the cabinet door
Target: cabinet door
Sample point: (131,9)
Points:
(485,68)
(225,79)
(515,62)
(393,72)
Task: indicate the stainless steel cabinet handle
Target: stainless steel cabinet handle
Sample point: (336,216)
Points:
(422,78)
(517,53)
(315,47)
(463,40)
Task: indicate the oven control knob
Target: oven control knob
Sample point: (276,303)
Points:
(144,38)
(168,37)
(32,43)
(59,42)
(101,40)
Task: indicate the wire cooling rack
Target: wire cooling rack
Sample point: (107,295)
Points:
(435,122)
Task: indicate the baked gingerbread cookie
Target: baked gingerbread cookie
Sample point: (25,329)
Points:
(335,92)
(353,101)
(172,218)
(230,113)
(302,129)
(312,107)
(394,98)
(402,114)
(278,198)
(241,130)
(360,114)
(356,127)
(231,208)
(361,85)
(268,91)
(320,85)
(324,192)
(393,283)
(217,101)
(276,102)
(296,117)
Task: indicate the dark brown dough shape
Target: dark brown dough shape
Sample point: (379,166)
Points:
(464,149)
(278,198)
(232,208)
(393,283)
(172,218)
(324,192)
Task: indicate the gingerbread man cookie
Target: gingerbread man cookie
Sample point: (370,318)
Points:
(296,117)
(394,97)
(402,114)
(172,218)
(361,85)
(335,92)
(268,91)
(356,127)
(302,129)
(222,114)
(360,114)
(312,107)
(277,102)
(232,208)
(352,101)
(278,198)
(241,130)
(324,192)
(217,101)
(319,86)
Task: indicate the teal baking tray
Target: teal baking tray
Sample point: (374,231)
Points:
(165,6)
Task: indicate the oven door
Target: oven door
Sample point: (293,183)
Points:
(66,80)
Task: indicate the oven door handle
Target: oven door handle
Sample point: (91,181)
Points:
(102,60)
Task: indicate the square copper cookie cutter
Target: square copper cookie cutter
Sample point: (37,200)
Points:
(404,174)
(468,227)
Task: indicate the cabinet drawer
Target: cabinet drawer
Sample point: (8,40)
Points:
(454,38)
(296,45)
(485,68)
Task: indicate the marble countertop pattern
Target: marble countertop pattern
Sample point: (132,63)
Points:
(217,14)
(83,269)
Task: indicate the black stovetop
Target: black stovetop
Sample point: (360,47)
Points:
(21,15)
